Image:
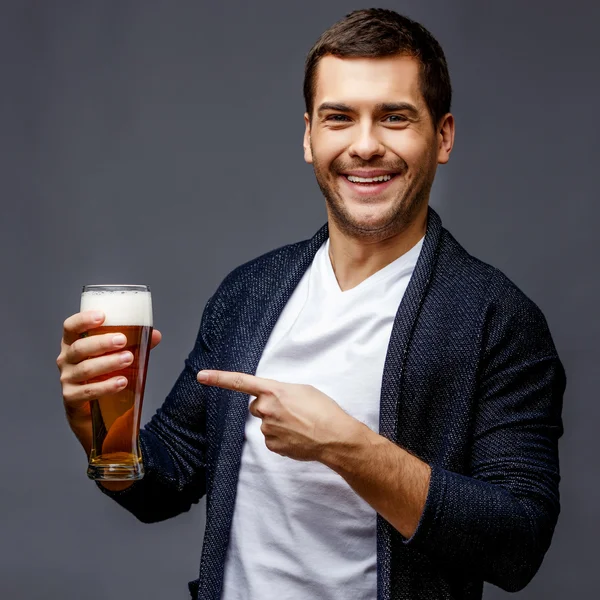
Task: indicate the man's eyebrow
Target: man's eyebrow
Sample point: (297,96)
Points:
(382,107)
(397,107)
(334,106)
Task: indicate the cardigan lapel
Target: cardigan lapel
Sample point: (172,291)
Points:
(254,332)
(406,318)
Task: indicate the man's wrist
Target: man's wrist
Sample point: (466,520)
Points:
(393,481)
(351,445)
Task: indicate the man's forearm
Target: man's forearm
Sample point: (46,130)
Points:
(393,481)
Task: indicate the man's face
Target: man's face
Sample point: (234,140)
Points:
(370,121)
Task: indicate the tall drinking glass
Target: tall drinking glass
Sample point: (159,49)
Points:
(115,454)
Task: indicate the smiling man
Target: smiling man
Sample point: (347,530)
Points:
(375,147)
(372,413)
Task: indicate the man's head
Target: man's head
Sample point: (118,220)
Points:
(377,95)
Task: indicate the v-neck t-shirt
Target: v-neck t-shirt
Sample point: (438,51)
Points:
(299,531)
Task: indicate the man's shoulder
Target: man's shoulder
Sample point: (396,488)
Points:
(476,282)
(272,264)
(274,261)
(251,286)
(268,270)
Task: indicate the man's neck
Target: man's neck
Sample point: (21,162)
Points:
(354,259)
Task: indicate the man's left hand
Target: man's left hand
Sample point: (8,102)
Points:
(298,421)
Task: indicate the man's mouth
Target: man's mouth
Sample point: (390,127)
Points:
(369,186)
(379,179)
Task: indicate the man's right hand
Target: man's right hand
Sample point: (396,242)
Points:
(86,364)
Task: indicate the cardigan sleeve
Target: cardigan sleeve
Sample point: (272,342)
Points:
(173,447)
(497,521)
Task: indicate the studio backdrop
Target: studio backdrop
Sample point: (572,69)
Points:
(160,142)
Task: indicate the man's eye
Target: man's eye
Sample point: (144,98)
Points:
(338,118)
(396,118)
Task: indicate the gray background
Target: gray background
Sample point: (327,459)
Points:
(161,143)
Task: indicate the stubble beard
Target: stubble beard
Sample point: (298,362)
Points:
(398,217)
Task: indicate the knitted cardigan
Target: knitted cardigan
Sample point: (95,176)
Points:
(472,385)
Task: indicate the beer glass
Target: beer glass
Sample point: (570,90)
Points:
(115,454)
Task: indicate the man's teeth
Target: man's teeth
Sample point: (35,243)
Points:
(379,179)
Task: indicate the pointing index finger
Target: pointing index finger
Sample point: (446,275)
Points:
(238,382)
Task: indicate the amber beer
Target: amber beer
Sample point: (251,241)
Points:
(115,454)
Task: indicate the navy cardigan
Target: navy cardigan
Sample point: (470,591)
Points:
(472,385)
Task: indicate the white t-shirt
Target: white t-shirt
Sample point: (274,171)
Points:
(299,531)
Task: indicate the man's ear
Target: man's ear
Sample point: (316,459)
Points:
(446,138)
(307,151)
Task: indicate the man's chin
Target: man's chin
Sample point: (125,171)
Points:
(365,227)
(371,224)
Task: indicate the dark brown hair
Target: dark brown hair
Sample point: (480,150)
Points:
(375,33)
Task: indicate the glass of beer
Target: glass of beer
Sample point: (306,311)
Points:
(115,454)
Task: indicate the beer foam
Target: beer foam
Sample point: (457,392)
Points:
(121,307)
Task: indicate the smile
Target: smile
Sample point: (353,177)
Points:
(380,179)
(368,187)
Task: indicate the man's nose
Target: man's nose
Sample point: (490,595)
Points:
(366,144)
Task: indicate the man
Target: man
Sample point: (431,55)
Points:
(372,413)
